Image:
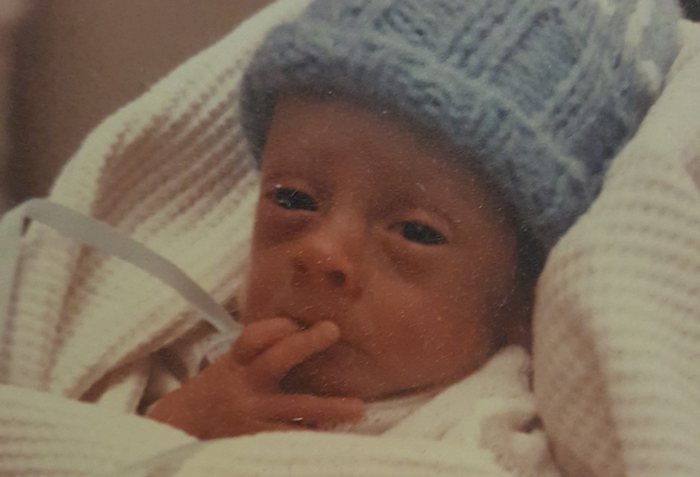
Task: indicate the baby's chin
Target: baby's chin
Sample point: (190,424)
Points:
(331,376)
(302,380)
(321,376)
(341,372)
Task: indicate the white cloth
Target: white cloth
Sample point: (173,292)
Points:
(381,416)
(484,425)
(617,319)
(616,325)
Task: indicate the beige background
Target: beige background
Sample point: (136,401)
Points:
(11,12)
(79,60)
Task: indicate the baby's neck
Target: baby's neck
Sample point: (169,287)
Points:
(382,414)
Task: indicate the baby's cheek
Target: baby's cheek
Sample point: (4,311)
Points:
(445,340)
(256,294)
(406,332)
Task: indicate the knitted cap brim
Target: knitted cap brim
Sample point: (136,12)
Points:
(547,154)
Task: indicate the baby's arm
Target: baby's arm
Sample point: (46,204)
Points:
(239,393)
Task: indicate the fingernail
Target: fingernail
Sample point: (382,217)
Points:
(330,328)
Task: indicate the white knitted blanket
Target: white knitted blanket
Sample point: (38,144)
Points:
(617,321)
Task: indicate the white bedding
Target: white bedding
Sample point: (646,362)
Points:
(617,321)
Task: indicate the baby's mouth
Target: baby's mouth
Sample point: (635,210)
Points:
(305,320)
(299,379)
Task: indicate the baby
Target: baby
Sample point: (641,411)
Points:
(366,242)
(417,159)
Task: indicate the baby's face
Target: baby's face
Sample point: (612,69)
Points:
(361,224)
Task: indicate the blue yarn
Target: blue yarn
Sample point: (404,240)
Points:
(539,94)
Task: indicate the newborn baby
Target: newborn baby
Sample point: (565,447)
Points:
(417,160)
(379,267)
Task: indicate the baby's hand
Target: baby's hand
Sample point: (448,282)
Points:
(239,393)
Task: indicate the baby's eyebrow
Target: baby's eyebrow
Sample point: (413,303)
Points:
(433,209)
(279,177)
(445,215)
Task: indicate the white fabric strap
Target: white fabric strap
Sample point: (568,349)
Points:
(89,231)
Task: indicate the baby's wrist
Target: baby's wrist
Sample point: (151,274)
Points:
(181,409)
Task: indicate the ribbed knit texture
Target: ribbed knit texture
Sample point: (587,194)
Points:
(45,435)
(537,94)
(321,455)
(616,325)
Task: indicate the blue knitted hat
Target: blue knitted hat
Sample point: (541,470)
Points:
(538,94)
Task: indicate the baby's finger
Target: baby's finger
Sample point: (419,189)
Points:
(279,358)
(258,336)
(314,412)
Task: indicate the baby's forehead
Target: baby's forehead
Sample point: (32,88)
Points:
(386,112)
(337,141)
(332,130)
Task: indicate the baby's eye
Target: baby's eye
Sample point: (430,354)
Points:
(293,199)
(422,234)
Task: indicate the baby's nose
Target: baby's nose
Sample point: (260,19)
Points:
(327,259)
(327,269)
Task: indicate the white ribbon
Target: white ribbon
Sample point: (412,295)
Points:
(89,231)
